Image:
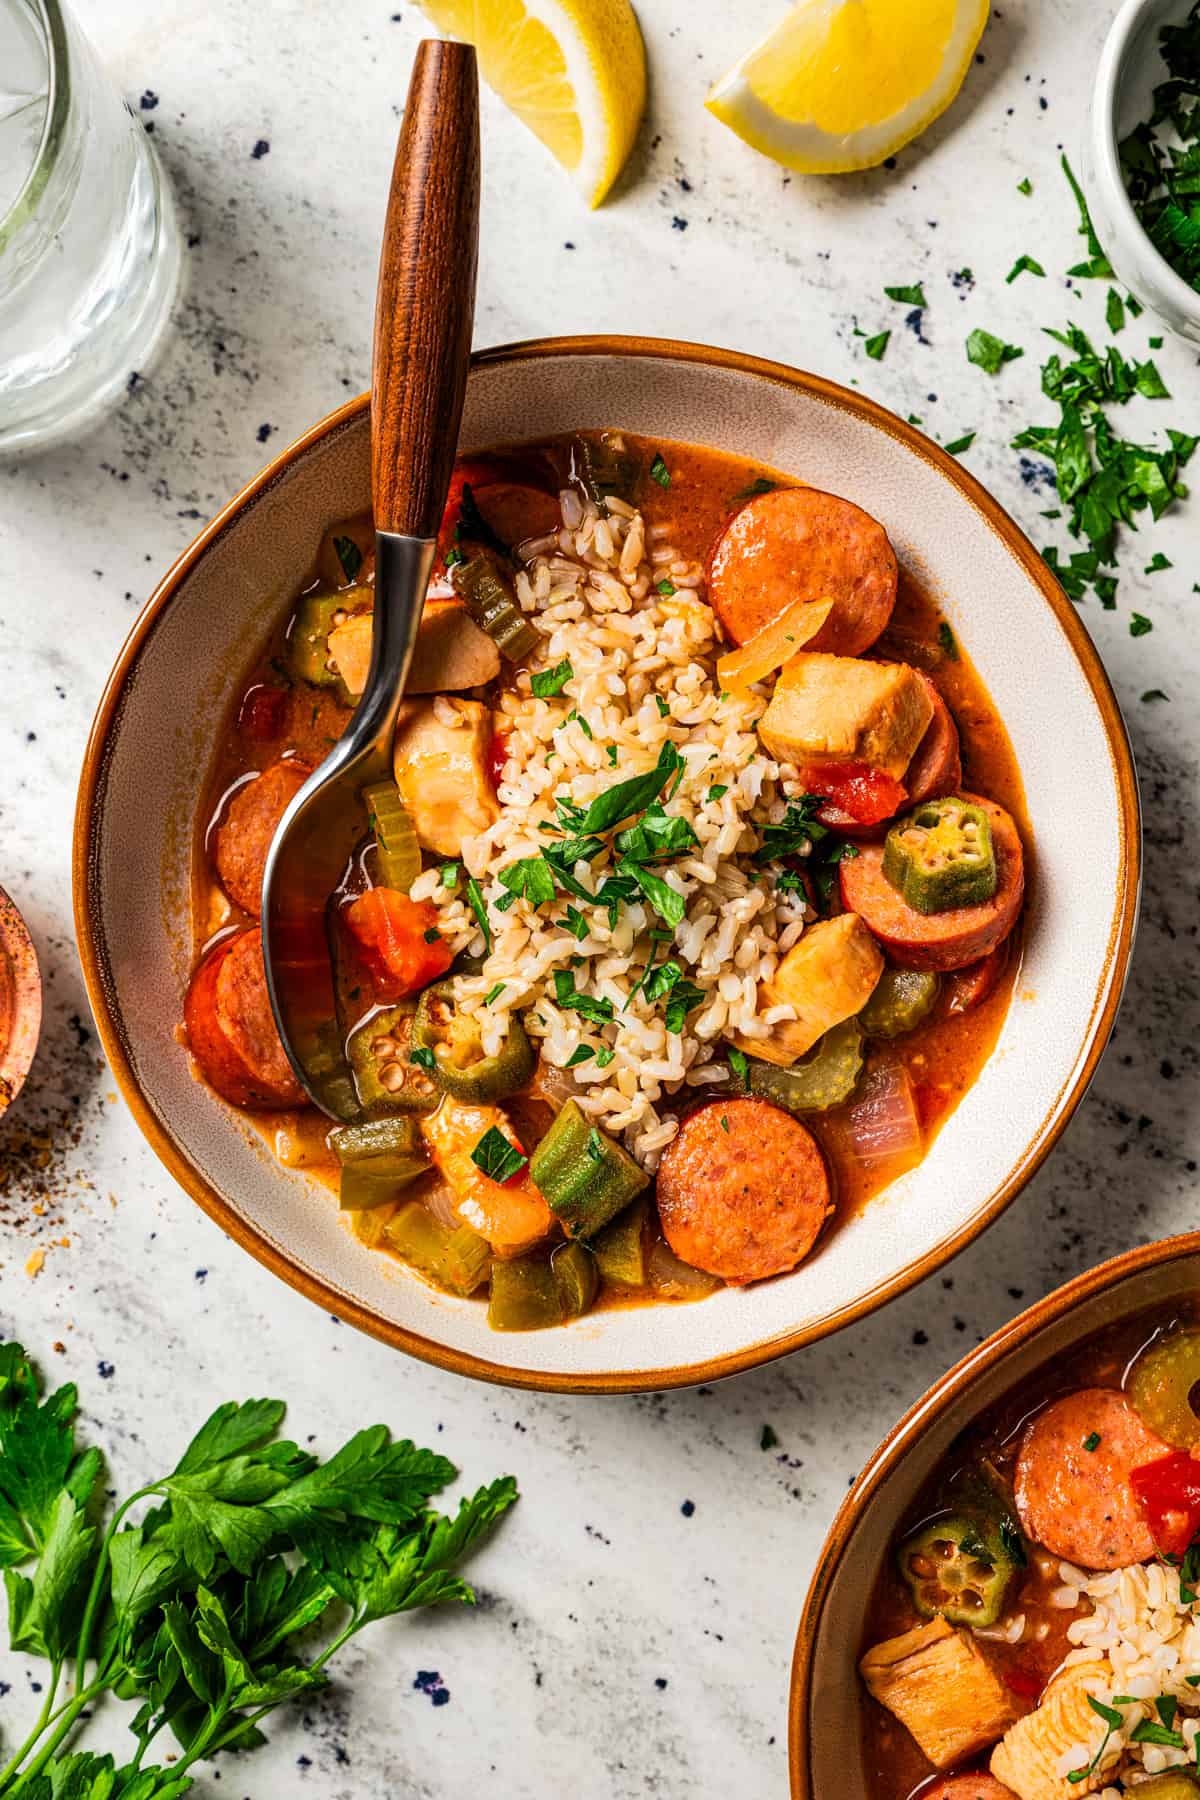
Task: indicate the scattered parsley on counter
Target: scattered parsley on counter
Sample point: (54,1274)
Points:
(1138,625)
(960,444)
(1155,694)
(1097,267)
(908,296)
(1024,265)
(1157,561)
(1025,186)
(767,1438)
(990,353)
(1114,312)
(254,1564)
(875,346)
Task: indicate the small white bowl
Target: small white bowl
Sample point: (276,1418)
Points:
(1130,68)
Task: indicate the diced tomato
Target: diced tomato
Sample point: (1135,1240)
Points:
(263,713)
(858,795)
(1168,1491)
(970,987)
(402,936)
(1023,1683)
(497,757)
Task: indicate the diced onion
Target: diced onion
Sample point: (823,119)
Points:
(882,1125)
(771,647)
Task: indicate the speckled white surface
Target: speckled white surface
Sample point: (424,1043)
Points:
(624,1647)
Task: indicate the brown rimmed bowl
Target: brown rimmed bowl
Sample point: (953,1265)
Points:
(824,1717)
(151,743)
(20,1001)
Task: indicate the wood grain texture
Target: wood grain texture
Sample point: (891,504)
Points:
(425,303)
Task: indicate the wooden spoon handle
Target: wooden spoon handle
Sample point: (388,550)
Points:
(425,304)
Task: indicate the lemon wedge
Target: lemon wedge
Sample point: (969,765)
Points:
(842,84)
(574,71)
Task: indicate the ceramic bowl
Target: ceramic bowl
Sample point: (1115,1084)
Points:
(20,1001)
(177,673)
(824,1743)
(1130,66)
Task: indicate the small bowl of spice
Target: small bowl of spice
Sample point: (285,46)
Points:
(20,1001)
(1143,163)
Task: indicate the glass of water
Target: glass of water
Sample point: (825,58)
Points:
(89,244)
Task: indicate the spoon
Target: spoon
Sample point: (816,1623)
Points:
(424,312)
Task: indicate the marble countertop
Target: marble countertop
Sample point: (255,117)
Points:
(637,1613)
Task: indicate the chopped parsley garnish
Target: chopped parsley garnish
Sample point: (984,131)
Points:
(665,586)
(1155,694)
(798,829)
(586,1005)
(767,1438)
(1013,1542)
(657,835)
(1025,186)
(583,1053)
(532,877)
(960,444)
(658,982)
(1092,1441)
(472,524)
(551,681)
(498,1159)
(659,471)
(908,296)
(577,718)
(1024,265)
(454,556)
(760,485)
(493,994)
(1097,267)
(664,710)
(604,1057)
(575,923)
(685,997)
(948,641)
(1114,312)
(476,902)
(990,353)
(423,1057)
(740,1066)
(595,1145)
(717,791)
(632,796)
(1146,1732)
(875,346)
(448,874)
(1114,1721)
(431,934)
(724,1122)
(1139,625)
(1157,561)
(1160,159)
(349,555)
(611,752)
(669,905)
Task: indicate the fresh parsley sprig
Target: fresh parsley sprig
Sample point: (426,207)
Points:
(251,1564)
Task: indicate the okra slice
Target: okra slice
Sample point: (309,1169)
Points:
(456,1258)
(900,1001)
(941,856)
(824,1077)
(387,1078)
(489,598)
(395,835)
(524,1295)
(620,1249)
(1161,1386)
(584,1175)
(607,468)
(378,1158)
(957,1568)
(453,1040)
(575,1274)
(308,640)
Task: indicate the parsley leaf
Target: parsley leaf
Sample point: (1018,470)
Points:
(632,796)
(588,1006)
(1024,265)
(548,682)
(960,444)
(908,296)
(531,877)
(1139,625)
(499,1159)
(685,997)
(990,353)
(875,346)
(349,555)
(476,902)
(667,903)
(659,471)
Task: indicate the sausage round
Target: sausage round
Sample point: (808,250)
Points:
(967,1787)
(800,544)
(743,1190)
(936,766)
(244,835)
(945,940)
(1077,1503)
(231,1028)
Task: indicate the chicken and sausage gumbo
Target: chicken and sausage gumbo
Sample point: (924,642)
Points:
(683,924)
(1035,1633)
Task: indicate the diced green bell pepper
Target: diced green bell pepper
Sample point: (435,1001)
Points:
(584,1175)
(456,1258)
(524,1295)
(489,598)
(387,1078)
(941,856)
(620,1249)
(901,1000)
(826,1076)
(958,1568)
(453,1039)
(378,1158)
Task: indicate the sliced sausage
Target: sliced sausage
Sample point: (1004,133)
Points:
(231,1029)
(1076,1501)
(945,940)
(936,766)
(244,835)
(966,1787)
(800,544)
(970,987)
(743,1190)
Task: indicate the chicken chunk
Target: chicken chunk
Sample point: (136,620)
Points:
(512,1216)
(442,772)
(1028,1757)
(841,709)
(936,1682)
(827,977)
(451,652)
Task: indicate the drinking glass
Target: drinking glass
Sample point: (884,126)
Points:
(89,244)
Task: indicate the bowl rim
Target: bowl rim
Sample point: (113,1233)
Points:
(1107,162)
(1110,980)
(899,1440)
